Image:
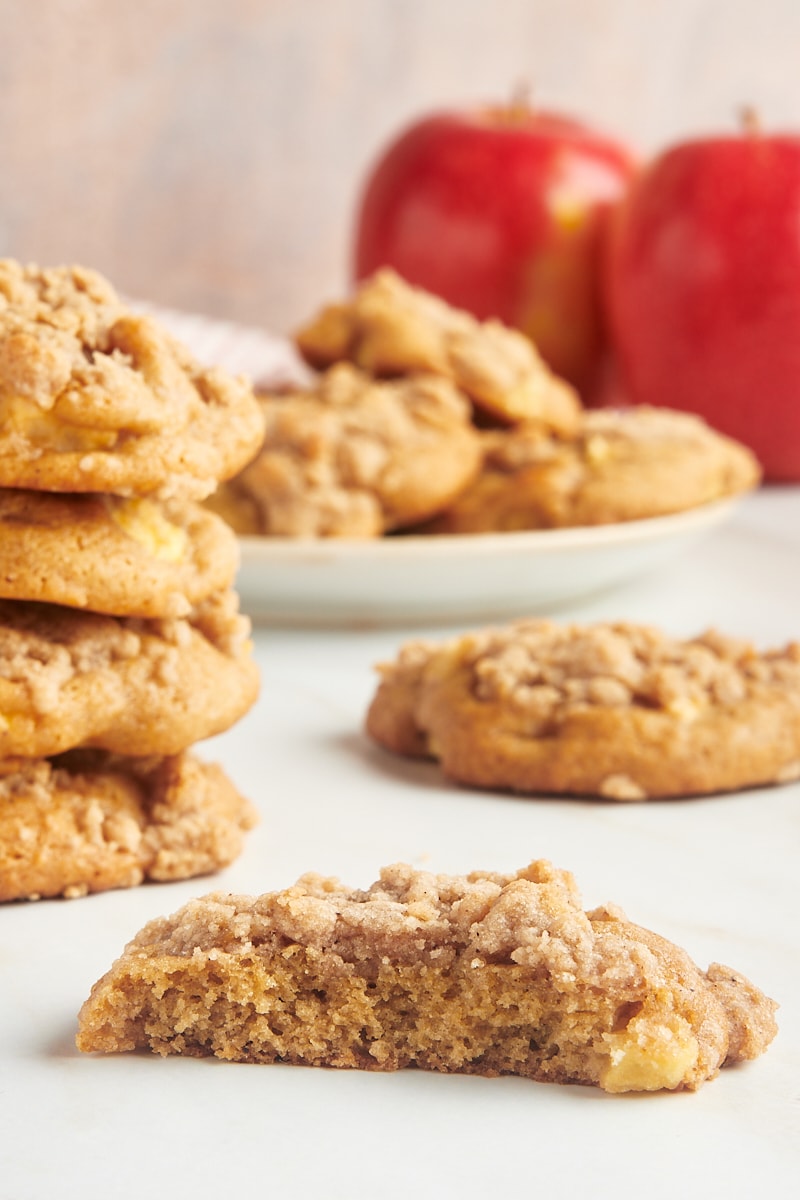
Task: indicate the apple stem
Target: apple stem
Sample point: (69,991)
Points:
(521,102)
(749,120)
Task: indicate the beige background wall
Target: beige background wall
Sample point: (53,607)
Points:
(207,153)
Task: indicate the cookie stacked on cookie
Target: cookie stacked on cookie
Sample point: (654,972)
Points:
(423,418)
(387,434)
(121,644)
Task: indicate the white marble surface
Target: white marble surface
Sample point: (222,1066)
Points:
(718,875)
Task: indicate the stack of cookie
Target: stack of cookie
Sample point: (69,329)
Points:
(121,644)
(424,417)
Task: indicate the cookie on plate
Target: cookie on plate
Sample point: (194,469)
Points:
(389,328)
(619,711)
(125,557)
(88,821)
(70,678)
(486,974)
(621,465)
(96,399)
(354,457)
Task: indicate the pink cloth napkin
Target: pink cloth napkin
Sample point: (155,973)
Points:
(271,362)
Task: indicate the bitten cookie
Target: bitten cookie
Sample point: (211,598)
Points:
(489,974)
(96,399)
(87,821)
(71,678)
(123,557)
(621,465)
(620,711)
(354,457)
(390,328)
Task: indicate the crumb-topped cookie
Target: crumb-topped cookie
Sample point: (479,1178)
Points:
(70,678)
(621,465)
(390,328)
(486,974)
(354,457)
(614,710)
(125,557)
(96,399)
(89,821)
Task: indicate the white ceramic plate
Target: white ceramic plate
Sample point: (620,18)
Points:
(430,579)
(409,580)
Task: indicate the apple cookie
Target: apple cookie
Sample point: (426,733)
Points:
(622,465)
(88,821)
(96,399)
(354,457)
(486,974)
(618,711)
(70,678)
(125,557)
(390,328)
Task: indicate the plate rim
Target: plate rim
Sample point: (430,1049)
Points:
(257,550)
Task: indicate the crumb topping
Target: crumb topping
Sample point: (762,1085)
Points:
(550,670)
(604,436)
(219,620)
(69,349)
(531,918)
(43,647)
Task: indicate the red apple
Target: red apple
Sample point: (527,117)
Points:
(499,211)
(703,289)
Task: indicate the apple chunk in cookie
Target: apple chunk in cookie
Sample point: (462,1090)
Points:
(618,711)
